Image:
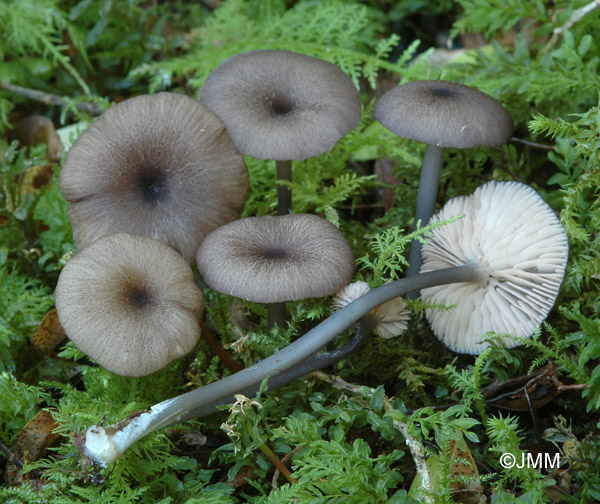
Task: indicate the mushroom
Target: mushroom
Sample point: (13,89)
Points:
(441,114)
(160,166)
(273,259)
(543,268)
(282,105)
(130,303)
(390,318)
(515,238)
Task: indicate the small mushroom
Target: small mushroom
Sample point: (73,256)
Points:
(274,259)
(389,319)
(282,105)
(512,236)
(441,114)
(130,303)
(160,166)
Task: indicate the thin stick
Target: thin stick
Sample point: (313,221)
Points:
(533,144)
(270,454)
(578,15)
(414,445)
(216,347)
(49,99)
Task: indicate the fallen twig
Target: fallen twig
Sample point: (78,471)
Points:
(414,445)
(578,15)
(50,99)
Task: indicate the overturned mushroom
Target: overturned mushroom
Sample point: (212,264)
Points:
(516,240)
(282,105)
(276,259)
(160,166)
(389,319)
(441,114)
(130,303)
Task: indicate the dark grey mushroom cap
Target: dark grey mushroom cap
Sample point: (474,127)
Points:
(130,303)
(160,166)
(512,234)
(445,114)
(282,105)
(275,259)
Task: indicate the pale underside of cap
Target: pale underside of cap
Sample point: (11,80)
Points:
(274,259)
(445,114)
(130,303)
(392,317)
(160,166)
(518,241)
(282,105)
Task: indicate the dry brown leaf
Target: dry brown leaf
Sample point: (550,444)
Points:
(29,444)
(463,465)
(49,334)
(36,129)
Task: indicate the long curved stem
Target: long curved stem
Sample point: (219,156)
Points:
(426,198)
(106,447)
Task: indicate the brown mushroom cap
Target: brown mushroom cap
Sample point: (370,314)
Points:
(160,166)
(446,114)
(518,241)
(282,105)
(130,303)
(275,259)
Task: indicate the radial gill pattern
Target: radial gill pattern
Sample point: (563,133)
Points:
(516,239)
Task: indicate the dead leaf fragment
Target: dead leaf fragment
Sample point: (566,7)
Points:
(29,444)
(36,129)
(49,334)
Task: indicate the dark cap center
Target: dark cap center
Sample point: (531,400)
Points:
(152,184)
(274,253)
(279,105)
(442,92)
(139,298)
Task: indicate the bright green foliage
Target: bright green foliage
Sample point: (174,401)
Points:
(341,32)
(505,438)
(18,403)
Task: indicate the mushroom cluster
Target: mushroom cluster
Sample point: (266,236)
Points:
(157,184)
(160,166)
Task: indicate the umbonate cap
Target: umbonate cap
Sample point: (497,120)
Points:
(516,239)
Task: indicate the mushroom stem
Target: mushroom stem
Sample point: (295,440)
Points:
(105,446)
(426,197)
(275,314)
(284,193)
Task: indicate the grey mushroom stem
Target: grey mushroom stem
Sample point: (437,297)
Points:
(275,314)
(426,198)
(106,445)
(284,193)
